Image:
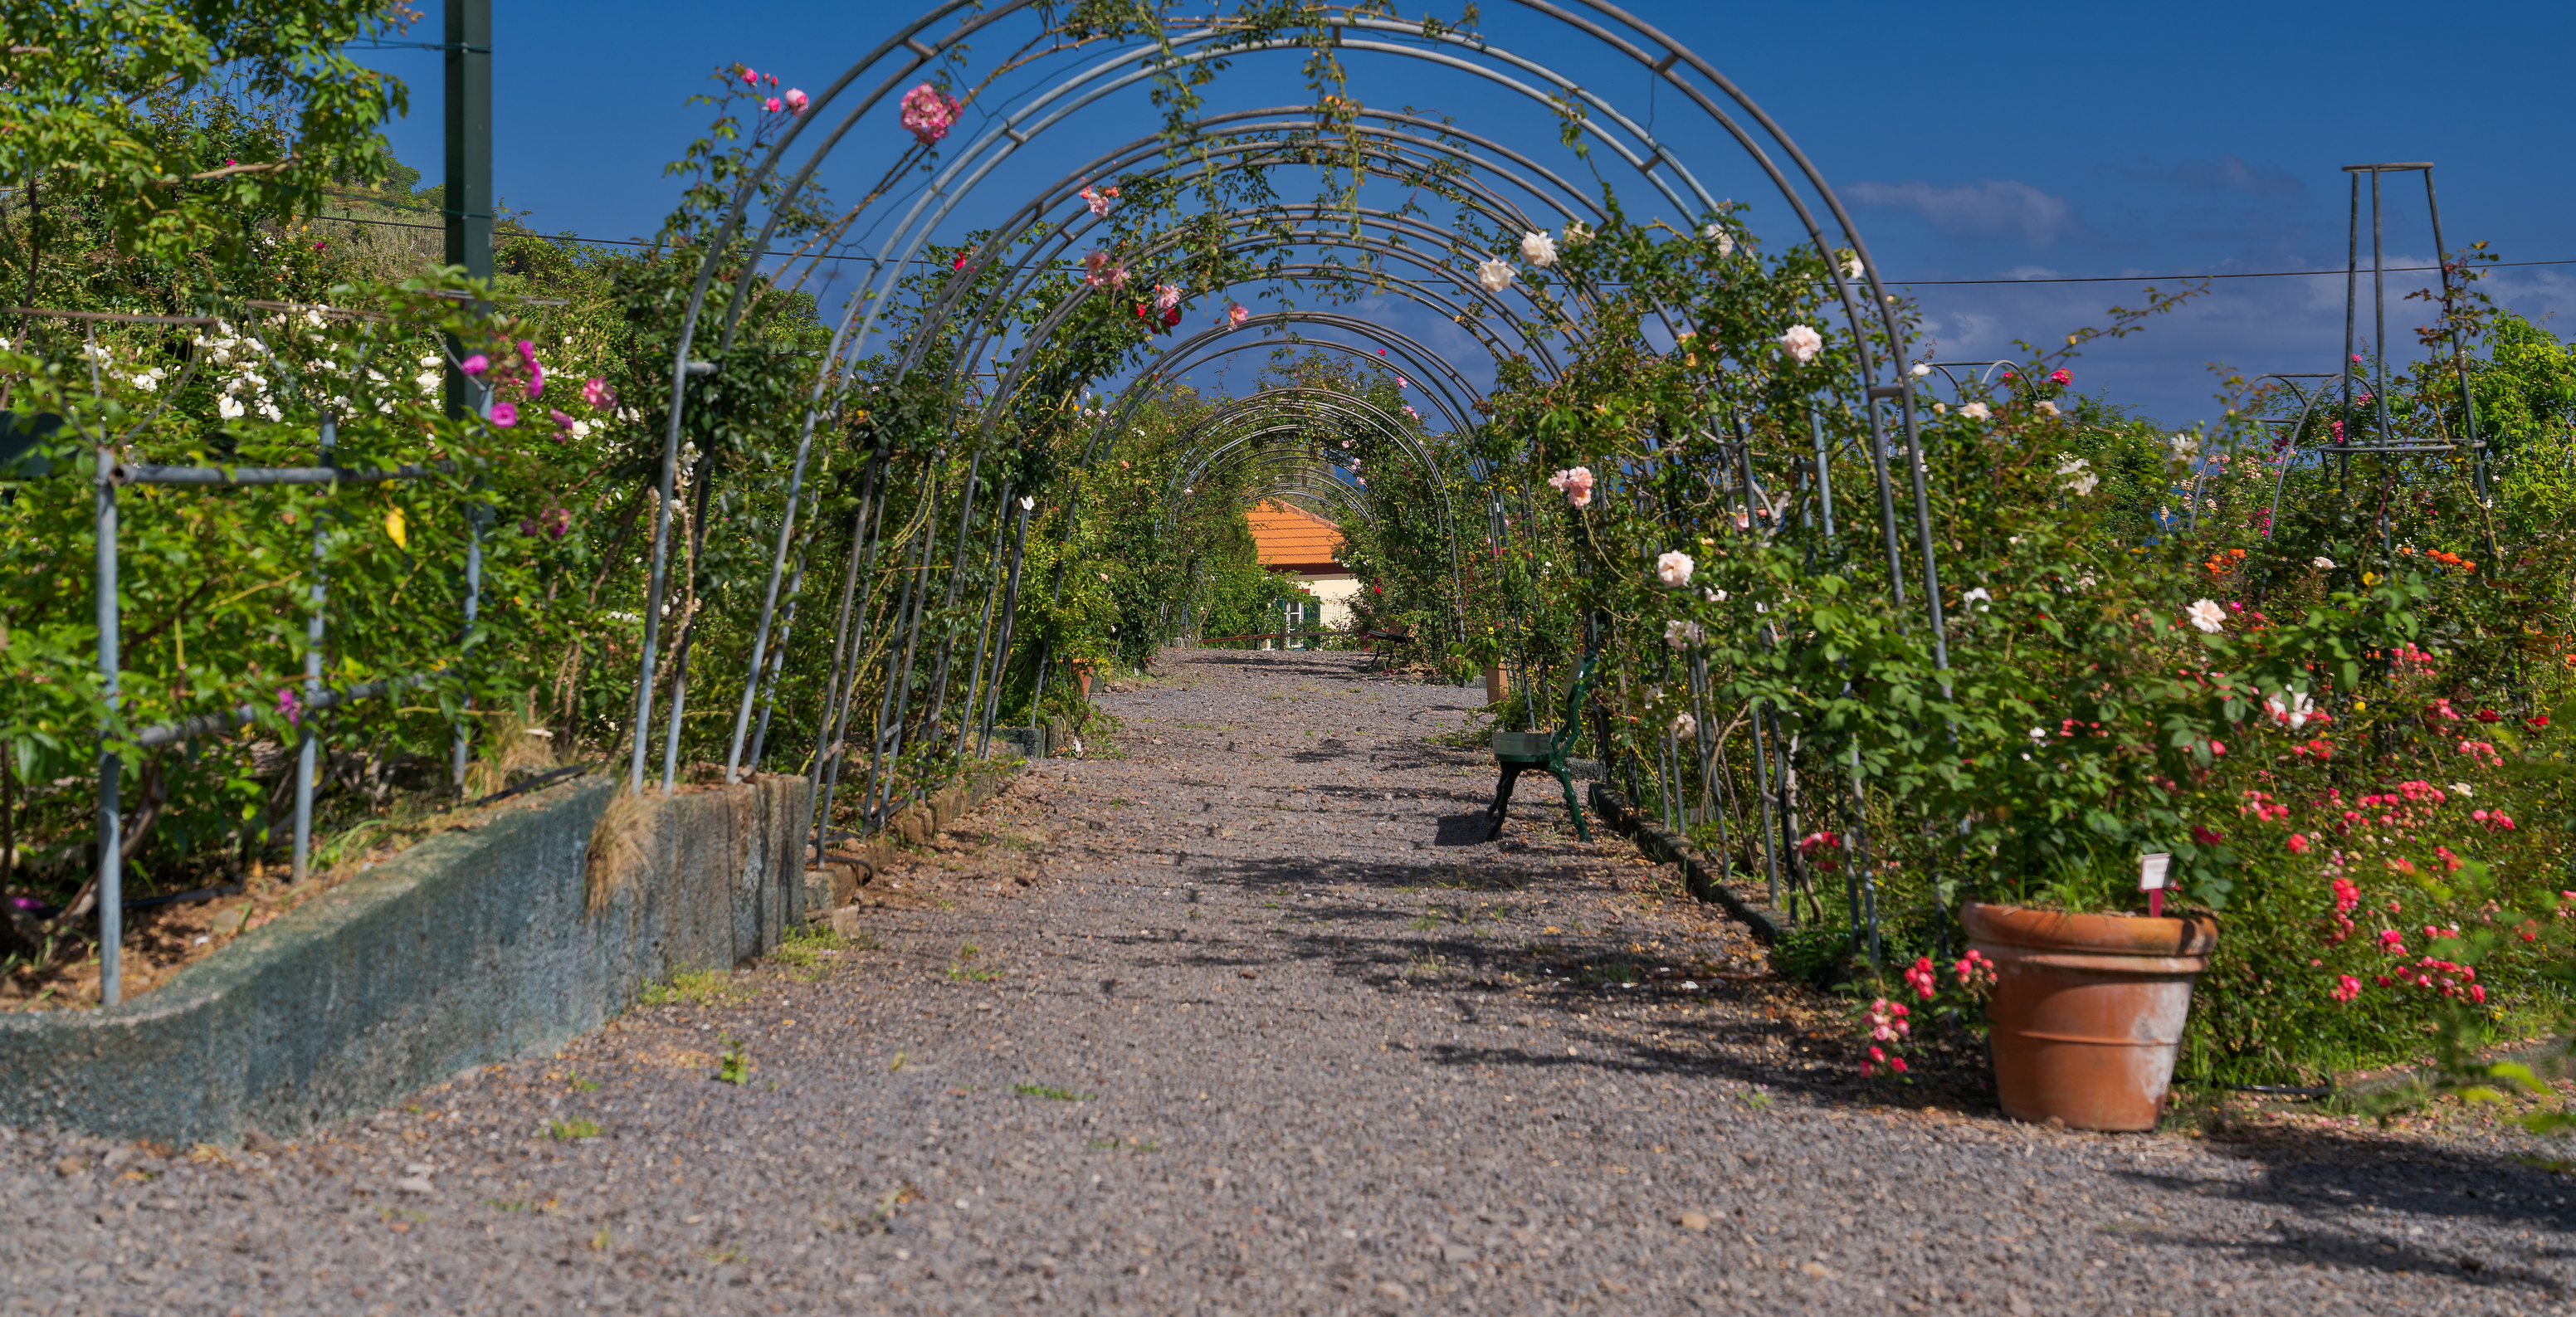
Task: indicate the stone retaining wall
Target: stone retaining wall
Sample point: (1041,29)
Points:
(477,945)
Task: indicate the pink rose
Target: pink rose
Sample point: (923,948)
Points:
(596,392)
(1575,483)
(475,365)
(928,112)
(504,415)
(770,105)
(796,101)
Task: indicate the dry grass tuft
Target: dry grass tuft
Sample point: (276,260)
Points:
(617,847)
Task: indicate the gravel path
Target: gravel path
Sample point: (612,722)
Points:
(1246,1019)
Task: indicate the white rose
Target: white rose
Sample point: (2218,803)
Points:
(1496,274)
(1802,343)
(2322,564)
(229,407)
(1977,411)
(1674,569)
(1685,726)
(2078,474)
(1725,241)
(1851,265)
(2207,615)
(1683,635)
(1538,249)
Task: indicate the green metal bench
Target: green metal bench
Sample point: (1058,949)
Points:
(1544,752)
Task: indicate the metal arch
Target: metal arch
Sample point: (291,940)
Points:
(1134,396)
(1646,165)
(1075,89)
(1414,350)
(1070,234)
(1842,286)
(1355,407)
(1292,401)
(1532,341)
(941,184)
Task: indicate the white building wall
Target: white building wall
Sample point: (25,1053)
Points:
(1336,594)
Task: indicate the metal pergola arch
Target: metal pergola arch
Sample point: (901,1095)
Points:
(1604,23)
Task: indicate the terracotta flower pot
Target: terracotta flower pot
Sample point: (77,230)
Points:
(2088,1010)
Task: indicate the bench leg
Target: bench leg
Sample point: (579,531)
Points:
(1582,831)
(1501,808)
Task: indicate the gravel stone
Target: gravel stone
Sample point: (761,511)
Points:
(1266,1030)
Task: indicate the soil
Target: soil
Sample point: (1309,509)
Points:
(1249,1018)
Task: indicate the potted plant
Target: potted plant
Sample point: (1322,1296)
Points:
(2109,726)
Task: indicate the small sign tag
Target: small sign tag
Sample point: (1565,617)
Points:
(2151,871)
(2151,880)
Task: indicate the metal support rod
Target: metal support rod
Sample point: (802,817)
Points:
(970,714)
(769,600)
(2460,364)
(834,733)
(111,839)
(465,639)
(305,748)
(2351,303)
(706,479)
(2379,307)
(777,659)
(886,752)
(957,556)
(1010,619)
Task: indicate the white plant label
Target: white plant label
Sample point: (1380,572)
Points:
(2151,871)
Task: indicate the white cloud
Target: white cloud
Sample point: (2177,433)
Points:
(1987,208)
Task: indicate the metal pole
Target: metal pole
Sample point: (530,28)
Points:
(769,601)
(2459,357)
(1010,619)
(835,731)
(466,215)
(706,478)
(777,659)
(473,605)
(313,629)
(2379,308)
(2351,308)
(111,840)
(969,716)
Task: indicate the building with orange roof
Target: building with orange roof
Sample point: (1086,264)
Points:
(1293,542)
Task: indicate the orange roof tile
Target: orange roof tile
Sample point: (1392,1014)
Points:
(1288,538)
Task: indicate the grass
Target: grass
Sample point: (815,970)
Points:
(1427,967)
(808,947)
(565,1131)
(733,1069)
(964,972)
(579,1084)
(703,987)
(1128,1145)
(1425,924)
(1051,1094)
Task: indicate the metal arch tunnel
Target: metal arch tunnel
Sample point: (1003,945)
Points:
(1889,410)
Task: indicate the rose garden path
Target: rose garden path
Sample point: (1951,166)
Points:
(1244,1018)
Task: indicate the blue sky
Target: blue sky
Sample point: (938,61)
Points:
(2095,140)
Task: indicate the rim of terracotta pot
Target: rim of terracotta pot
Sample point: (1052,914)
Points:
(2192,934)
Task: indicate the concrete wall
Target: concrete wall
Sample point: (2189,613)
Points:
(475,946)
